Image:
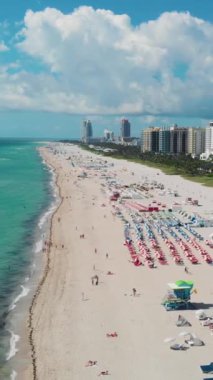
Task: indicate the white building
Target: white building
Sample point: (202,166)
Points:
(108,135)
(208,142)
(196,141)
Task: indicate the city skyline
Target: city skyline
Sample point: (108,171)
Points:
(61,62)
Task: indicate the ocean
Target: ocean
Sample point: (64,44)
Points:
(25,198)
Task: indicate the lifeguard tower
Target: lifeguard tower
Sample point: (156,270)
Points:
(178,295)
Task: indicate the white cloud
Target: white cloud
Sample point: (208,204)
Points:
(98,62)
(3,47)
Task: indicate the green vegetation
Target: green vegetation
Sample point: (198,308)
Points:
(184,165)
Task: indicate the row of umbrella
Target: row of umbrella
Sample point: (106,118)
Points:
(155,245)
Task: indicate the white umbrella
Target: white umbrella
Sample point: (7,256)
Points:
(169,340)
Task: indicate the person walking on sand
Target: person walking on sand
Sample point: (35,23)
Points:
(134,291)
(107,255)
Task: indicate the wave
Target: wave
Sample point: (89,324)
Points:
(38,246)
(13,349)
(45,216)
(53,205)
(13,375)
(24,293)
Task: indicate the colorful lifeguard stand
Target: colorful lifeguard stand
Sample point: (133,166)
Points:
(178,296)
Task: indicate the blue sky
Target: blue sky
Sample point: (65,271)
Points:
(62,61)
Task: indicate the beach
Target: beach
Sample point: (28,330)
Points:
(119,327)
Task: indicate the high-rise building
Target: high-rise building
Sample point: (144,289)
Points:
(164,140)
(125,128)
(86,131)
(155,140)
(209,140)
(178,140)
(150,139)
(196,141)
(146,140)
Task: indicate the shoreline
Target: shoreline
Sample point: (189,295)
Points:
(67,309)
(45,272)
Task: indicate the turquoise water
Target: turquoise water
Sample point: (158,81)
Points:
(24,195)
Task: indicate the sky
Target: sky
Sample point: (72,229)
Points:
(62,61)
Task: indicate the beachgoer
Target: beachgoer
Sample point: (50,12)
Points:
(134,292)
(112,335)
(96,279)
(107,255)
(95,250)
(186,270)
(103,373)
(91,363)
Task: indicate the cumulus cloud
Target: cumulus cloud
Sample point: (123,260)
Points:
(98,62)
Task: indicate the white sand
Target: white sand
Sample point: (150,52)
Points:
(69,331)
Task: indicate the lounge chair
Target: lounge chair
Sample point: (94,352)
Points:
(208,368)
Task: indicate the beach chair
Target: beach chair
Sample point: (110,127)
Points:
(207,368)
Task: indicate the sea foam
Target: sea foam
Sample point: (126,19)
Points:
(45,216)
(13,375)
(38,246)
(13,349)
(24,293)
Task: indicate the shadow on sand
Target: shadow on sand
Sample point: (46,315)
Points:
(200,305)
